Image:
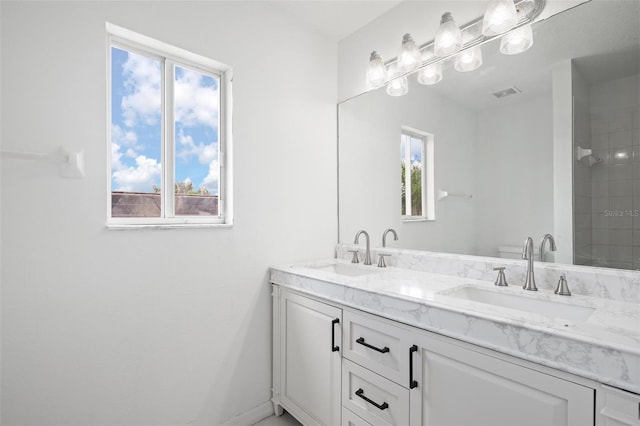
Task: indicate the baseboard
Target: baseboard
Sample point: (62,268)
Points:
(252,416)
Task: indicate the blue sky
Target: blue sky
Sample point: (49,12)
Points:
(136,124)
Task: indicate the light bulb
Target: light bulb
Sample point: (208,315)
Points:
(431,74)
(469,60)
(409,58)
(499,17)
(448,37)
(397,86)
(517,41)
(377,71)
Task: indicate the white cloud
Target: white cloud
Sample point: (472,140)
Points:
(211,180)
(140,178)
(206,153)
(142,82)
(196,103)
(116,164)
(123,137)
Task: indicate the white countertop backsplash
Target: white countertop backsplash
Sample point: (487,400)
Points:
(415,290)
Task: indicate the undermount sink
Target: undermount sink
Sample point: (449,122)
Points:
(346,269)
(528,304)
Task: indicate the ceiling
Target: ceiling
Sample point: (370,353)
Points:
(335,19)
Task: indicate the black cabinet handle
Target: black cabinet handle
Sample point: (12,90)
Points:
(380,407)
(334,348)
(412,383)
(363,343)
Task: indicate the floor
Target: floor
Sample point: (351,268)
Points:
(284,420)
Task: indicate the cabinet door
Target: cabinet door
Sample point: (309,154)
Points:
(310,355)
(460,386)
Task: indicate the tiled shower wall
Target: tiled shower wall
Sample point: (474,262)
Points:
(615,178)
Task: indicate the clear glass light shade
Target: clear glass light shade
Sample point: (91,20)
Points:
(409,58)
(517,41)
(499,17)
(377,71)
(448,37)
(469,60)
(431,74)
(398,86)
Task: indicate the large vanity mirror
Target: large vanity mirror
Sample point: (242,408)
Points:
(560,154)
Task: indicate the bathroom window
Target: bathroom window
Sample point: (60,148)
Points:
(168,139)
(416,165)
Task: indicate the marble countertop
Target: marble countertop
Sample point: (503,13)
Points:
(604,347)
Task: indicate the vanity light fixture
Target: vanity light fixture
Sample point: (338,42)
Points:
(448,37)
(377,71)
(509,20)
(500,16)
(517,41)
(469,60)
(409,58)
(431,74)
(398,86)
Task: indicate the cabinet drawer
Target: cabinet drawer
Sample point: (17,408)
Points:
(377,345)
(620,407)
(372,397)
(350,419)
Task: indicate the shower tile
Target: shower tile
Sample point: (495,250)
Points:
(620,188)
(583,220)
(600,236)
(620,237)
(600,141)
(621,254)
(621,120)
(621,171)
(600,221)
(621,204)
(620,139)
(636,136)
(598,205)
(621,222)
(636,238)
(600,188)
(599,126)
(600,253)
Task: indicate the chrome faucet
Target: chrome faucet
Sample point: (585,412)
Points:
(384,236)
(367,256)
(527,253)
(552,245)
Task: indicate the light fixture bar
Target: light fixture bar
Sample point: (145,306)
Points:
(474,27)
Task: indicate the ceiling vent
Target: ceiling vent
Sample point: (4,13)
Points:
(507,92)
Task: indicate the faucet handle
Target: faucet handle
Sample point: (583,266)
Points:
(562,289)
(354,259)
(381,262)
(501,280)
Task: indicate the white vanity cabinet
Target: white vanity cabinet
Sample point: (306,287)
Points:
(388,373)
(307,358)
(462,386)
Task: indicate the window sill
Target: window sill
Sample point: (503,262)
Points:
(165,226)
(417,219)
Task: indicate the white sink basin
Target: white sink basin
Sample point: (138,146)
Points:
(541,307)
(346,269)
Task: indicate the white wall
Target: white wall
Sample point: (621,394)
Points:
(153,327)
(370,198)
(514,174)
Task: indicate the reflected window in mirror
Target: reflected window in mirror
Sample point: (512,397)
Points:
(416,166)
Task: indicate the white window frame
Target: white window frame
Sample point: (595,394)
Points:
(170,56)
(428,174)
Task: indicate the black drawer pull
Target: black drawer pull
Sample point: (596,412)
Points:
(334,348)
(363,343)
(412,383)
(381,407)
